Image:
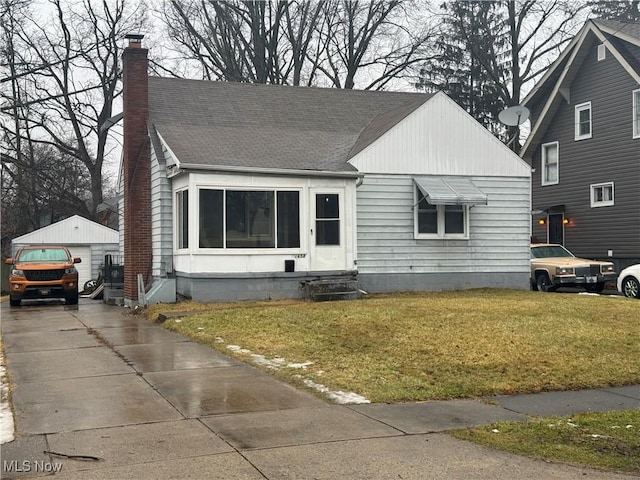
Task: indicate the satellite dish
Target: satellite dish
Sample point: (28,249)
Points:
(514,116)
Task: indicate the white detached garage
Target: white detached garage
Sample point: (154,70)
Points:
(84,238)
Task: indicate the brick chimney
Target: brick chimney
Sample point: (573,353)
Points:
(136,169)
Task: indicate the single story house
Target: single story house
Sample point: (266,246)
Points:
(241,191)
(84,238)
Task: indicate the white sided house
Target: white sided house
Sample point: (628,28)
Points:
(86,239)
(258,191)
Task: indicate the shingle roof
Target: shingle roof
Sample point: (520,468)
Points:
(621,28)
(271,126)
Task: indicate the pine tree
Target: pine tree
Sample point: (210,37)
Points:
(628,11)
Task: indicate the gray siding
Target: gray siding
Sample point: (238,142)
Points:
(611,155)
(161,217)
(497,245)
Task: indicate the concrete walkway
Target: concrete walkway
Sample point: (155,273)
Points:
(101,394)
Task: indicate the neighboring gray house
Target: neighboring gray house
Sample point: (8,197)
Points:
(584,145)
(85,239)
(256,190)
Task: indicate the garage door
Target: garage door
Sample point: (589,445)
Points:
(84,268)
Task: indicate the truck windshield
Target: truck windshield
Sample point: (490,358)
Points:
(43,255)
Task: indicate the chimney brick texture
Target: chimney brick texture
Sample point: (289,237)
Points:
(137,172)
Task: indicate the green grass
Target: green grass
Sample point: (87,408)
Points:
(435,345)
(608,440)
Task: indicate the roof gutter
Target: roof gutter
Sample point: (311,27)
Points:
(194,167)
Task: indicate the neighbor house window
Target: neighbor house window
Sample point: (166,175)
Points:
(636,114)
(550,163)
(602,195)
(182,208)
(602,52)
(440,220)
(249,219)
(583,121)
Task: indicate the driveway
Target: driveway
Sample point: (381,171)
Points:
(101,393)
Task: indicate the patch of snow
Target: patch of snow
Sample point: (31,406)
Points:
(6,415)
(340,397)
(276,363)
(237,349)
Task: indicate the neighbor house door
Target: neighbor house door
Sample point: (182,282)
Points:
(556,228)
(327,235)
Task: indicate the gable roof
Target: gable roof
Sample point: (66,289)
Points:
(208,124)
(75,230)
(554,85)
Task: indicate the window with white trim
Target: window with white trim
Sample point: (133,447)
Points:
(636,113)
(602,195)
(583,121)
(182,209)
(249,218)
(440,221)
(602,52)
(550,163)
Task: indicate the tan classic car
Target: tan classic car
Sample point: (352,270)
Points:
(554,266)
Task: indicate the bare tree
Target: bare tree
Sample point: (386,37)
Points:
(64,74)
(298,42)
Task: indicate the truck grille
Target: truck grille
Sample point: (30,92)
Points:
(590,270)
(44,275)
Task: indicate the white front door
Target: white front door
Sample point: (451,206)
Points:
(327,235)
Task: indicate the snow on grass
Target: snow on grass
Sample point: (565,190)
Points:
(277,363)
(6,415)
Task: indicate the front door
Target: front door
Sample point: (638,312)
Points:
(556,228)
(327,242)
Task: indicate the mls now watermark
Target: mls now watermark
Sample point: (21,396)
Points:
(28,466)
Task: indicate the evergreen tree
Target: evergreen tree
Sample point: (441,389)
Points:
(625,11)
(458,69)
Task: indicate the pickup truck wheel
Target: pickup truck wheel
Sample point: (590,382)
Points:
(631,287)
(595,287)
(543,283)
(14,301)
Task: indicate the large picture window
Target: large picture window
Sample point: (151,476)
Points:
(550,164)
(440,220)
(249,219)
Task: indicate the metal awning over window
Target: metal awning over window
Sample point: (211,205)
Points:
(450,191)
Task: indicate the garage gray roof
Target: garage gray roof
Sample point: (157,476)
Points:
(271,126)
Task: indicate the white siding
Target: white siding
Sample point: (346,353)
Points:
(195,260)
(440,138)
(498,232)
(161,223)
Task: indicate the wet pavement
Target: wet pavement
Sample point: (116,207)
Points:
(100,393)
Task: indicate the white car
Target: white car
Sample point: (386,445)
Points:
(629,281)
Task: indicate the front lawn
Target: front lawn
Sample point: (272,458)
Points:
(606,440)
(428,346)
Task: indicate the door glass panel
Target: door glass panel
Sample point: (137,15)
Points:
(327,219)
